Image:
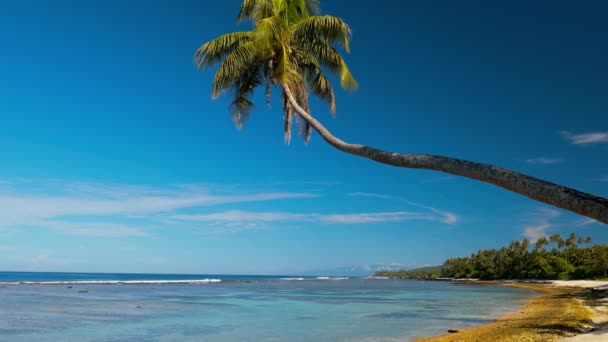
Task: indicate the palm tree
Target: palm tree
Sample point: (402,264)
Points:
(291,45)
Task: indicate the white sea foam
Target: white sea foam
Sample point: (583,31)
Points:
(332,278)
(112,282)
(292,279)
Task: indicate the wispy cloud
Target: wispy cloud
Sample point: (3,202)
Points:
(446,216)
(85,208)
(242,216)
(368,194)
(94,229)
(118,211)
(234,218)
(361,218)
(543,161)
(543,219)
(586,138)
(603,179)
(542,222)
(533,233)
(585,222)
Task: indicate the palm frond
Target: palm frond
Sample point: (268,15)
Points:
(242,88)
(321,87)
(268,70)
(240,109)
(215,50)
(322,51)
(232,67)
(326,27)
(312,6)
(267,33)
(347,80)
(255,10)
(304,128)
(297,10)
(329,57)
(306,60)
(287,116)
(246,10)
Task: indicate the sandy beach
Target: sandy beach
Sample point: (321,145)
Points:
(564,311)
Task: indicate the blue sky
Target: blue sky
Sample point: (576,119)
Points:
(115,159)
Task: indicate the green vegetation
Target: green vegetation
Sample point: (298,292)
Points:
(548,258)
(290,45)
(432,272)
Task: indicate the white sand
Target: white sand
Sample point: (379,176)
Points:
(593,336)
(581,283)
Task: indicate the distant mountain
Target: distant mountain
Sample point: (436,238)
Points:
(356,271)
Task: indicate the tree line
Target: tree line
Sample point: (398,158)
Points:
(574,257)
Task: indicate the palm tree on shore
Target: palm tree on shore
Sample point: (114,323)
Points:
(292,46)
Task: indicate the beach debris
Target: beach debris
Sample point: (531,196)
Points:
(452,331)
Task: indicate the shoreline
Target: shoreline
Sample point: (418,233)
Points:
(563,310)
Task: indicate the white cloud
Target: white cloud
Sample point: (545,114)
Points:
(112,211)
(447,217)
(54,205)
(95,229)
(543,161)
(242,216)
(603,179)
(361,218)
(234,218)
(585,222)
(541,223)
(586,138)
(533,233)
(368,194)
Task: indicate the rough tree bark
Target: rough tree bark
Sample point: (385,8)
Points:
(557,195)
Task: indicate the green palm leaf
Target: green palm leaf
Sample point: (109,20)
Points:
(290,43)
(214,51)
(327,27)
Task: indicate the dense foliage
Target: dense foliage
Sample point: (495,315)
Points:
(290,45)
(419,273)
(548,258)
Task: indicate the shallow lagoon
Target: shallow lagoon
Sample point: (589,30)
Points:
(257,309)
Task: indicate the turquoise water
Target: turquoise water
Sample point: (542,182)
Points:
(241,308)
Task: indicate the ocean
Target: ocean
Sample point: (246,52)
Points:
(149,307)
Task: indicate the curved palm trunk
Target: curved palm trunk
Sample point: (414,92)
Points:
(563,197)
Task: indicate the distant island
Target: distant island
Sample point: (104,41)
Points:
(550,258)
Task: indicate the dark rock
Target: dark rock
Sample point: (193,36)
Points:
(452,331)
